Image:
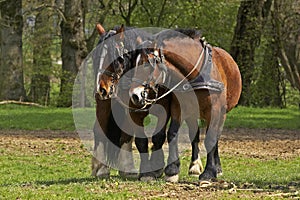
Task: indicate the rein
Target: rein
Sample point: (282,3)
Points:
(151,101)
(131,109)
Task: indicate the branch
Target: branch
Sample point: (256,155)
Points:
(148,12)
(21,103)
(44,6)
(161,13)
(91,39)
(122,10)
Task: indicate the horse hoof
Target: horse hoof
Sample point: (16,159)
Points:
(101,172)
(158,173)
(147,178)
(204,184)
(172,179)
(132,175)
(196,168)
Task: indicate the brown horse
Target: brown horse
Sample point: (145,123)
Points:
(113,75)
(112,147)
(204,81)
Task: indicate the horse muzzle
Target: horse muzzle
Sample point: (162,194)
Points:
(138,96)
(106,93)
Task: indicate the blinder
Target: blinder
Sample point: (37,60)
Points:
(122,56)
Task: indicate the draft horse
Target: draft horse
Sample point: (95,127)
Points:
(121,53)
(108,82)
(204,81)
(112,147)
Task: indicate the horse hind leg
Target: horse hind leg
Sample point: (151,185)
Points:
(218,161)
(215,127)
(196,167)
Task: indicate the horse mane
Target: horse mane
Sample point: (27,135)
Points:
(177,33)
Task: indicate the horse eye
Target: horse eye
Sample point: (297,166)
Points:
(120,59)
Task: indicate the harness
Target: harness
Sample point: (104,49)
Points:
(202,81)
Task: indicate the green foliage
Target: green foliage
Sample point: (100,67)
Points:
(215,18)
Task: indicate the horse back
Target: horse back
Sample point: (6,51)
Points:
(230,75)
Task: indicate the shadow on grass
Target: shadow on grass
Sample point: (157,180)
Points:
(84,180)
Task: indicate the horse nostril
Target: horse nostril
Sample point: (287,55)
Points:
(103,92)
(135,99)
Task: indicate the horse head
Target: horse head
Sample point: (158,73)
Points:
(174,58)
(150,72)
(114,59)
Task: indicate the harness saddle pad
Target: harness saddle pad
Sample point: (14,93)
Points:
(203,80)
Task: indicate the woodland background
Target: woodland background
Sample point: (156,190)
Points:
(42,43)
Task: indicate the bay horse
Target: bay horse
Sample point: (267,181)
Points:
(204,81)
(108,137)
(108,82)
(115,66)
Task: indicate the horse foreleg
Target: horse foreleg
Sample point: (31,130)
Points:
(145,167)
(173,166)
(126,162)
(99,169)
(196,166)
(157,156)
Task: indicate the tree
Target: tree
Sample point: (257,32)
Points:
(73,47)
(95,12)
(11,68)
(286,16)
(41,66)
(248,30)
(126,9)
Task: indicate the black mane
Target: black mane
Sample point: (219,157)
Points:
(110,39)
(177,33)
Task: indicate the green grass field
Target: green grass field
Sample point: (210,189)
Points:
(59,168)
(33,118)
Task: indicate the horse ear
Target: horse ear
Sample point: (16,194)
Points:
(139,40)
(120,31)
(100,29)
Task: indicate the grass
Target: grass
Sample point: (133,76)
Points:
(35,118)
(245,117)
(32,118)
(34,168)
(26,175)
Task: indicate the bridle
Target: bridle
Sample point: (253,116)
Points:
(158,61)
(122,54)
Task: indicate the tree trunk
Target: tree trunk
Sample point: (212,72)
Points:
(286,18)
(40,81)
(11,67)
(246,38)
(73,48)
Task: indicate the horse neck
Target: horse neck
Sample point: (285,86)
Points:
(182,57)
